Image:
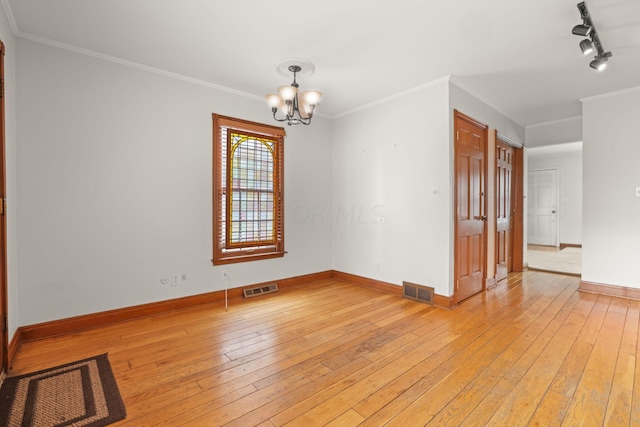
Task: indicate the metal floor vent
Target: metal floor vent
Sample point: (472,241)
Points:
(417,292)
(260,290)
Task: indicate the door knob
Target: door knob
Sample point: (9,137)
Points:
(483,217)
(553,211)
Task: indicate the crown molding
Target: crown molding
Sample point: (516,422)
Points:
(132,64)
(610,94)
(389,98)
(555,150)
(46,41)
(9,14)
(554,122)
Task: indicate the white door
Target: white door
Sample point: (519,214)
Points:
(542,224)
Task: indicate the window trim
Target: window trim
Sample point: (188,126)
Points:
(221,253)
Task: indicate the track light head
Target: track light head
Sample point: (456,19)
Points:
(598,63)
(582,30)
(586,46)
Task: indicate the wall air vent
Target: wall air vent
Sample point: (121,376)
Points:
(260,290)
(417,292)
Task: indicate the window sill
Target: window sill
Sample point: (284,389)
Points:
(247,257)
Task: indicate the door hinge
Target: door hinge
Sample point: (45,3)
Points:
(2,206)
(1,88)
(5,324)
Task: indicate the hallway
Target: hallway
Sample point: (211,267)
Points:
(546,258)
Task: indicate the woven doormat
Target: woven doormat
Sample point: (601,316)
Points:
(83,394)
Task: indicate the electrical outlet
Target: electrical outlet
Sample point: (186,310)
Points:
(175,280)
(164,280)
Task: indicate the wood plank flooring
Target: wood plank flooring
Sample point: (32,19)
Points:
(532,351)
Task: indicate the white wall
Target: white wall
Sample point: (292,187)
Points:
(386,159)
(114,177)
(611,212)
(555,132)
(569,166)
(10,161)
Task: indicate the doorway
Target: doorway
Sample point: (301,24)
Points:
(564,253)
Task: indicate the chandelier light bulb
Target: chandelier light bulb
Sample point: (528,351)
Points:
(311,97)
(288,93)
(274,100)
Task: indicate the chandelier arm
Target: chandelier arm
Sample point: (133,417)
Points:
(275,110)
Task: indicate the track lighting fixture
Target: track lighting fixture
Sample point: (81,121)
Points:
(588,45)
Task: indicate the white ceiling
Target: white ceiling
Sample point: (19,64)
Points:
(518,56)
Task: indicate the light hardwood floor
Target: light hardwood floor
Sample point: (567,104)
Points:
(532,351)
(554,260)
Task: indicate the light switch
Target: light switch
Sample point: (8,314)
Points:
(434,191)
(637,191)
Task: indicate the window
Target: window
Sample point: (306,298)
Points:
(248,177)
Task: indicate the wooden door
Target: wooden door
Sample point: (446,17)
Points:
(3,229)
(542,207)
(470,206)
(517,207)
(504,211)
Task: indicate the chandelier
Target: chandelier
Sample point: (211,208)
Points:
(296,109)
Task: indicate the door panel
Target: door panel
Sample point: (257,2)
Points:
(463,247)
(542,207)
(504,221)
(470,221)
